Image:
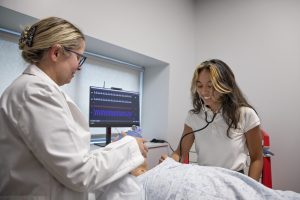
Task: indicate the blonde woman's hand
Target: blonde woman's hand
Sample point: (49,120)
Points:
(120,136)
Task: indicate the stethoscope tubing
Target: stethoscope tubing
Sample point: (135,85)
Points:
(200,129)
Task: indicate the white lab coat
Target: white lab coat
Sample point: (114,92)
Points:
(44,145)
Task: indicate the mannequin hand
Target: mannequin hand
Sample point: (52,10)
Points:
(162,158)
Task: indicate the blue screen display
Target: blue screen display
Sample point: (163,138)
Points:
(113,108)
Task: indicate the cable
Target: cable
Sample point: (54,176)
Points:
(170,146)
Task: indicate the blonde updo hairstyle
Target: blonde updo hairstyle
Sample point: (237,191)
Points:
(42,35)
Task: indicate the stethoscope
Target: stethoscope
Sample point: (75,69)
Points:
(200,129)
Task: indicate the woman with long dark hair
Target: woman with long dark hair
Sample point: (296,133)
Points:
(223,125)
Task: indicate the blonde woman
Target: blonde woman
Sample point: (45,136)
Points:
(45,140)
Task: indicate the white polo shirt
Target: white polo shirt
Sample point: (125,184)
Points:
(214,147)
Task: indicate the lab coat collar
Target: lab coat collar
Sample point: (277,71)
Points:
(34,70)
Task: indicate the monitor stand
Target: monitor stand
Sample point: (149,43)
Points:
(108,135)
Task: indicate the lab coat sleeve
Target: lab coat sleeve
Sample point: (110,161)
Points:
(61,145)
(126,188)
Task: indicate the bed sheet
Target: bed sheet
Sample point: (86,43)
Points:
(173,180)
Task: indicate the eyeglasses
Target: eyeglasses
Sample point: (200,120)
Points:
(80,57)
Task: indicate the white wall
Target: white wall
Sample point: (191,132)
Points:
(260,40)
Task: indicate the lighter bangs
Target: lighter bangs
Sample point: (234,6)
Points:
(216,80)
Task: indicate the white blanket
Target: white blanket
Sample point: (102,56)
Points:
(172,180)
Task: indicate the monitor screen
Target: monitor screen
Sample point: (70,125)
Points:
(113,108)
